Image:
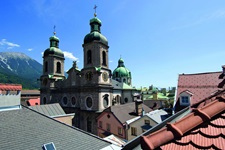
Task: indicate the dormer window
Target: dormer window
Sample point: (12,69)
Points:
(185,98)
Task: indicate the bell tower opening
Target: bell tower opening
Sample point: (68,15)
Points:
(46,66)
(58,65)
(104,58)
(89,59)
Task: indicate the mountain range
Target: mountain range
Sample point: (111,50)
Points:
(18,68)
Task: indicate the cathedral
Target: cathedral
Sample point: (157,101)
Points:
(87,91)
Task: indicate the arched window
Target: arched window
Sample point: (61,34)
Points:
(104,58)
(58,69)
(118,99)
(106,100)
(126,100)
(124,80)
(89,60)
(117,74)
(46,66)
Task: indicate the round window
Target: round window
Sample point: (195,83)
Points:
(89,102)
(65,100)
(73,101)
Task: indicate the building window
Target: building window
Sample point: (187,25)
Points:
(89,61)
(184,100)
(89,102)
(44,100)
(73,101)
(58,68)
(134,131)
(120,131)
(100,124)
(106,100)
(108,127)
(117,99)
(104,58)
(117,75)
(65,100)
(126,100)
(147,122)
(46,66)
(89,124)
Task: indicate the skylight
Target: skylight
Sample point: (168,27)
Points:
(49,146)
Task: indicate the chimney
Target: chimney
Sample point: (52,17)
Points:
(223,67)
(155,95)
(138,107)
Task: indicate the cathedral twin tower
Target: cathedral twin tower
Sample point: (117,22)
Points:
(86,92)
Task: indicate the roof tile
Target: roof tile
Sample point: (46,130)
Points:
(201,85)
(204,128)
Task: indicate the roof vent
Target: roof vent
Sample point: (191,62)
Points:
(49,146)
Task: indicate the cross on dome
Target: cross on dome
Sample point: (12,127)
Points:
(95,7)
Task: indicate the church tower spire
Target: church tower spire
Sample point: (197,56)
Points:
(95,45)
(53,67)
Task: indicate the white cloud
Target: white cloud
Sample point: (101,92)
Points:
(214,15)
(70,56)
(110,61)
(30,49)
(67,55)
(9,45)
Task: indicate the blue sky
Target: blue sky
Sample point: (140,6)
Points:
(157,39)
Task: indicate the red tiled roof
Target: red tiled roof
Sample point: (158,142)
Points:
(201,85)
(10,87)
(204,128)
(33,102)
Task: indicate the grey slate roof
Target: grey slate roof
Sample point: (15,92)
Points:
(126,111)
(27,129)
(158,115)
(49,109)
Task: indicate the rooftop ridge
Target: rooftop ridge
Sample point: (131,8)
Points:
(177,129)
(11,87)
(200,73)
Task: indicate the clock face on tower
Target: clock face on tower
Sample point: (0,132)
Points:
(105,76)
(89,76)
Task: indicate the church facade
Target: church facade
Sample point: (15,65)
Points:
(87,91)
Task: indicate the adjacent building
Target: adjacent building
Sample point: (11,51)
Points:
(10,95)
(200,122)
(192,88)
(115,120)
(25,128)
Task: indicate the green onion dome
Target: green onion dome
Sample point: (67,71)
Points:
(95,34)
(54,47)
(121,70)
